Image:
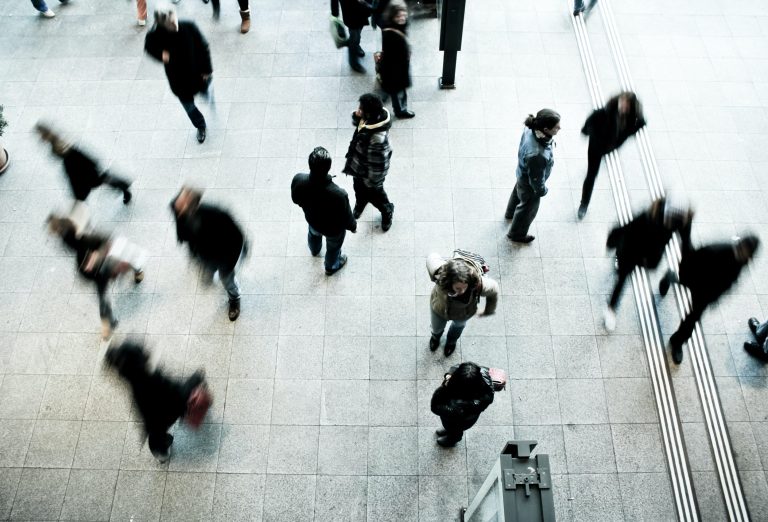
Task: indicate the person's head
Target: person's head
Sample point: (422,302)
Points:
(59,145)
(59,225)
(745,247)
(319,163)
(370,106)
(129,358)
(627,102)
(187,201)
(398,13)
(546,121)
(455,277)
(467,381)
(165,17)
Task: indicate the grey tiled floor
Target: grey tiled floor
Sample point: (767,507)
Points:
(322,386)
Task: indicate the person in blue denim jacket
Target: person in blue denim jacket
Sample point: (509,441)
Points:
(534,165)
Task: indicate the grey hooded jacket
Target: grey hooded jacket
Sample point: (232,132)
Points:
(534,161)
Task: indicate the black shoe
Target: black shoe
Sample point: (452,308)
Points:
(127,196)
(358,68)
(360,52)
(753,348)
(446,442)
(677,350)
(582,211)
(753,323)
(234,309)
(201,134)
(441,432)
(450,347)
(524,239)
(405,115)
(434,343)
(386,217)
(664,285)
(342,262)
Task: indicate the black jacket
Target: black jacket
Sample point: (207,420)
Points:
(395,66)
(641,242)
(325,204)
(603,128)
(459,413)
(190,57)
(212,235)
(83,172)
(709,271)
(355,13)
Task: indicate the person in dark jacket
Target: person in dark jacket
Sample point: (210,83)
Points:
(182,48)
(214,239)
(368,158)
(160,399)
(395,65)
(708,272)
(759,349)
(83,172)
(608,128)
(95,262)
(466,392)
(534,165)
(642,241)
(355,14)
(326,209)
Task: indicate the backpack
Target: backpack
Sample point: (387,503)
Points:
(198,404)
(474,259)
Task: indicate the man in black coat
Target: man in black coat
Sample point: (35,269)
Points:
(395,65)
(182,48)
(83,171)
(608,128)
(355,14)
(326,209)
(214,239)
(708,272)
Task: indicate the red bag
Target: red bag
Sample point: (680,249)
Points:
(499,378)
(198,404)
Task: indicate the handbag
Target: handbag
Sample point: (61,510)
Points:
(338,32)
(198,404)
(498,379)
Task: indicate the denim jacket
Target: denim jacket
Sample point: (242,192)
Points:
(534,162)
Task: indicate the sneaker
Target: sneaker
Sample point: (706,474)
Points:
(609,318)
(48,13)
(201,134)
(342,262)
(234,309)
(141,23)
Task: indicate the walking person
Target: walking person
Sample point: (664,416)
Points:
(183,50)
(355,14)
(160,399)
(642,241)
(214,239)
(608,128)
(459,285)
(83,172)
(465,393)
(326,209)
(395,64)
(534,165)
(708,272)
(368,158)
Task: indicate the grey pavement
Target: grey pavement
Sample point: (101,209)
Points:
(322,386)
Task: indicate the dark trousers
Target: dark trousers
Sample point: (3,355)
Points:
(332,247)
(376,196)
(688,323)
(621,278)
(115,182)
(399,101)
(243,5)
(159,439)
(594,158)
(353,45)
(454,431)
(105,307)
(522,209)
(197,118)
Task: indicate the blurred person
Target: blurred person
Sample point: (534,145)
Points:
(642,241)
(465,393)
(183,50)
(608,128)
(708,272)
(326,209)
(43,8)
(459,285)
(100,259)
(160,398)
(83,172)
(355,15)
(759,349)
(578,7)
(368,158)
(534,165)
(214,239)
(395,65)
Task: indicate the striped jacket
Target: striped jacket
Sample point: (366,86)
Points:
(369,151)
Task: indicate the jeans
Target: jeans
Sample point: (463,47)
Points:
(229,281)
(332,247)
(594,158)
(192,111)
(41,6)
(399,101)
(115,182)
(353,45)
(438,325)
(522,208)
(376,196)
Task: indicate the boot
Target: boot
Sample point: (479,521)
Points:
(245,25)
(234,309)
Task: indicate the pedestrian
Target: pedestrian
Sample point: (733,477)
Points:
(459,285)
(465,393)
(214,240)
(181,47)
(534,165)
(245,13)
(395,62)
(578,7)
(160,399)
(608,128)
(642,241)
(355,14)
(708,272)
(101,260)
(83,172)
(758,349)
(46,11)
(326,209)
(368,158)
